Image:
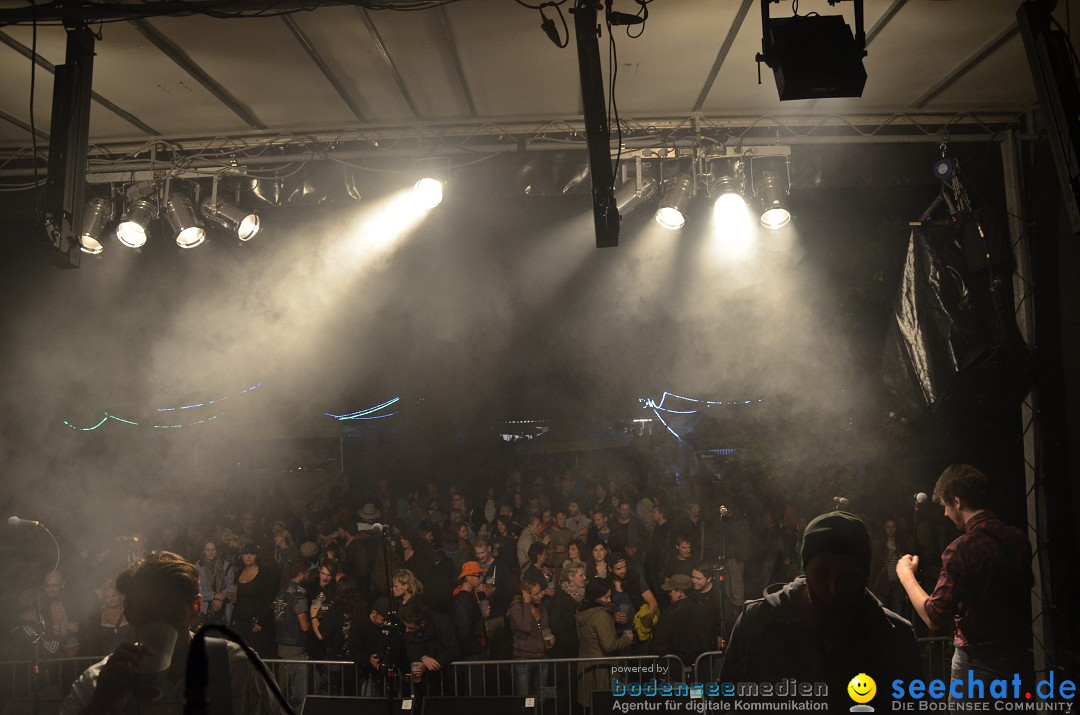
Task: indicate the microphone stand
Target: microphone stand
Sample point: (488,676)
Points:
(386,663)
(723,579)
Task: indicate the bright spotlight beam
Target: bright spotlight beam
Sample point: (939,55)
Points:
(428,192)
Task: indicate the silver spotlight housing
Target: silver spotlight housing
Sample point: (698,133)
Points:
(131,231)
(771,189)
(180,213)
(676,198)
(245,224)
(629,196)
(95,215)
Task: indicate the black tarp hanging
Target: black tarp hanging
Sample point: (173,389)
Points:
(950,332)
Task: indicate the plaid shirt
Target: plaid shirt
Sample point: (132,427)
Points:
(985,574)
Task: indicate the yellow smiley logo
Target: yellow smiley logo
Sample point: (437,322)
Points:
(862,688)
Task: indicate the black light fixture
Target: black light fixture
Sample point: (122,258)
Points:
(813,56)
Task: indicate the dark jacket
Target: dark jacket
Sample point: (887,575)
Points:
(680,631)
(468,624)
(435,638)
(779,637)
(561,613)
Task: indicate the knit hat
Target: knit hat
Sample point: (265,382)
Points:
(381,606)
(837,532)
(595,589)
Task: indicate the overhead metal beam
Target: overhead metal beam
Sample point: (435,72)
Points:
(22,125)
(89,13)
(333,79)
(721,56)
(967,65)
(886,16)
(376,38)
(455,58)
(177,55)
(51,69)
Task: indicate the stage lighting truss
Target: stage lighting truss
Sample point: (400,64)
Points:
(678,174)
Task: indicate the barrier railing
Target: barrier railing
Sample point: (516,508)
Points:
(556,681)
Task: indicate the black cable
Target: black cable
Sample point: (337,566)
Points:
(643,13)
(613,106)
(33,126)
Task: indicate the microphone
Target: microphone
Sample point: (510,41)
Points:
(625,18)
(840,501)
(920,499)
(377,528)
(16,521)
(724,511)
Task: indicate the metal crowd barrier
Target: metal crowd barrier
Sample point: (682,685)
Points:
(558,679)
(52,679)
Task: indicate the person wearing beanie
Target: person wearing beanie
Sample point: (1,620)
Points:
(597,638)
(825,626)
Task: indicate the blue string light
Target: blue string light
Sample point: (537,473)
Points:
(649,403)
(362,414)
(104,419)
(108,416)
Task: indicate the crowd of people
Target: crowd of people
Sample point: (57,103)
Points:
(561,565)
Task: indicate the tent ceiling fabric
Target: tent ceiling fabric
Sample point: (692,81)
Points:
(489,61)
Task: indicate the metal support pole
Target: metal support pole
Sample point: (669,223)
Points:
(1024,306)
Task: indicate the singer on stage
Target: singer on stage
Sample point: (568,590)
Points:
(163,588)
(984,582)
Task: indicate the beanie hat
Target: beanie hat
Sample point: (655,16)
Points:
(595,589)
(837,532)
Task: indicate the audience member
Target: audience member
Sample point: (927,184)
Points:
(253,617)
(826,625)
(562,609)
(597,638)
(532,636)
(217,579)
(61,620)
(291,625)
(429,647)
(683,626)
